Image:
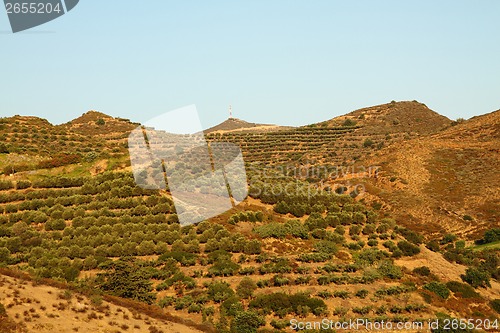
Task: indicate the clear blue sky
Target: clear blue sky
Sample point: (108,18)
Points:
(276,61)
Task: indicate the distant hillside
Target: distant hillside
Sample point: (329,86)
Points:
(395,117)
(341,140)
(93,122)
(235,124)
(444,182)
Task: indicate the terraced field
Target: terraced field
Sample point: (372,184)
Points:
(295,249)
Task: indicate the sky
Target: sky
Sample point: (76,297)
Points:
(284,62)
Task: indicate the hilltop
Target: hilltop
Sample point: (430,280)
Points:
(409,117)
(97,123)
(235,124)
(341,140)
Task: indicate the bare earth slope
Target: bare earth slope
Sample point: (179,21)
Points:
(447,181)
(41,308)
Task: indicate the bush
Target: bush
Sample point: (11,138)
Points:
(285,304)
(326,247)
(433,245)
(464,290)
(389,270)
(368,143)
(341,294)
(219,291)
(23,184)
(362,310)
(4,255)
(246,322)
(6,185)
(314,257)
(439,289)
(476,278)
(280,324)
(349,123)
(125,279)
(246,288)
(408,248)
(361,293)
(495,305)
(490,236)
(422,270)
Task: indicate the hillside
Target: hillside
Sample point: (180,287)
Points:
(412,118)
(97,123)
(341,140)
(39,307)
(319,236)
(446,182)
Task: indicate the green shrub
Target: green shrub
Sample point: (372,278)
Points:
(325,294)
(362,310)
(476,278)
(389,270)
(3,312)
(340,311)
(219,291)
(314,257)
(422,270)
(341,294)
(438,288)
(6,185)
(362,293)
(433,245)
(408,248)
(326,247)
(280,324)
(464,290)
(285,304)
(246,322)
(246,287)
(349,123)
(490,236)
(495,305)
(368,143)
(23,184)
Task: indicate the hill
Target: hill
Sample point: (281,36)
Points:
(235,125)
(445,182)
(413,118)
(97,123)
(341,140)
(315,238)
